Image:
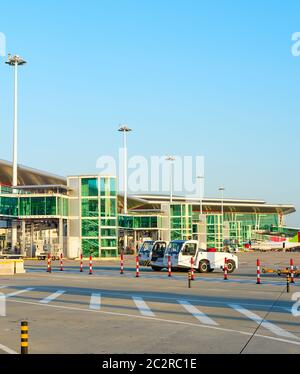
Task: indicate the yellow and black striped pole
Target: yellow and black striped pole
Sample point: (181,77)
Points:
(24,338)
(288,280)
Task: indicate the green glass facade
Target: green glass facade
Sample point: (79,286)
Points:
(42,206)
(139,222)
(9,206)
(98,201)
(181,223)
(89,209)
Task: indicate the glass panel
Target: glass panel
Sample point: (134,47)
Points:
(268,221)
(25,206)
(125,222)
(65,207)
(176,223)
(89,187)
(104,187)
(38,206)
(108,208)
(109,232)
(108,243)
(108,222)
(9,206)
(113,187)
(90,227)
(89,208)
(90,247)
(175,210)
(108,187)
(51,206)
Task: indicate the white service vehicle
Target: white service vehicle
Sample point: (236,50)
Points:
(146,251)
(157,257)
(182,251)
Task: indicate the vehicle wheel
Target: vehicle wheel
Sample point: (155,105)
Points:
(204,267)
(230,266)
(155,268)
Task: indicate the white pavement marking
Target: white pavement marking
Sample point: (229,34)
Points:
(52,297)
(260,321)
(203,318)
(1,287)
(95,302)
(143,307)
(7,350)
(194,325)
(18,292)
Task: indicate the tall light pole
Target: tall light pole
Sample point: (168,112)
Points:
(222,189)
(200,178)
(15,61)
(125,129)
(171,159)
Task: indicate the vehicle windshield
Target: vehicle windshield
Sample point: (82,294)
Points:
(146,247)
(174,248)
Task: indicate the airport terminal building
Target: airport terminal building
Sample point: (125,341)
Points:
(85,214)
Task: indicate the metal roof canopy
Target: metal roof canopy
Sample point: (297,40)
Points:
(28,176)
(230,205)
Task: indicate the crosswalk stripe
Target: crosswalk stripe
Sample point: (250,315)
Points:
(203,318)
(52,297)
(143,307)
(19,292)
(260,321)
(95,302)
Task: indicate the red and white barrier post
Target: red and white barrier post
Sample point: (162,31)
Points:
(122,263)
(292,270)
(192,269)
(49,264)
(91,265)
(258,271)
(225,269)
(61,262)
(81,264)
(169,266)
(137,267)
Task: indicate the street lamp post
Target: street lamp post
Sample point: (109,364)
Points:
(171,159)
(15,61)
(200,178)
(201,225)
(125,129)
(222,189)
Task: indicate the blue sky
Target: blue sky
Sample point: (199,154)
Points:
(209,78)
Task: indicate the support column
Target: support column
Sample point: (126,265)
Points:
(125,238)
(61,235)
(23,237)
(14,235)
(134,241)
(32,252)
